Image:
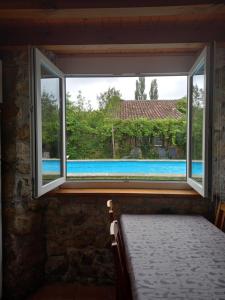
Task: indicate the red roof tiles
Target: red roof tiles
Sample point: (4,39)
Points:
(149,109)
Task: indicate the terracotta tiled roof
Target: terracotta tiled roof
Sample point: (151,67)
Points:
(150,109)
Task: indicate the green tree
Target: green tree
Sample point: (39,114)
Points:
(197,122)
(182,105)
(140,89)
(109,102)
(50,124)
(197,95)
(81,103)
(109,99)
(153,93)
(89,134)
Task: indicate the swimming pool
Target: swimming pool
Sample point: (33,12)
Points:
(122,167)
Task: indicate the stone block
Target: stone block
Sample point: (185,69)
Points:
(54,247)
(8,181)
(56,267)
(23,168)
(27,223)
(23,133)
(22,151)
(79,229)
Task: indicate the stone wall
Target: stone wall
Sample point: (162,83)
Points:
(66,238)
(23,222)
(219,126)
(77,232)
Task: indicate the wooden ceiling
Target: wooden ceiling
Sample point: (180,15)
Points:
(97,14)
(112,15)
(67,22)
(60,4)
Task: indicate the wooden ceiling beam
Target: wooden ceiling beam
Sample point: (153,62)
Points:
(137,33)
(63,15)
(64,4)
(128,21)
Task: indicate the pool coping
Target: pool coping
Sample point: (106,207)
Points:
(121,160)
(120,174)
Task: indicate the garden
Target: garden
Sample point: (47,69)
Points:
(99,134)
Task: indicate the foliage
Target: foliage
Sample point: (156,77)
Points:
(83,137)
(153,93)
(197,122)
(140,89)
(182,105)
(81,103)
(109,99)
(89,134)
(197,95)
(50,124)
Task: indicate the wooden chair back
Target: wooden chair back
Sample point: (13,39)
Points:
(112,218)
(111,212)
(123,288)
(220,216)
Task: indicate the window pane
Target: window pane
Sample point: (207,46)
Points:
(197,107)
(51,128)
(126,128)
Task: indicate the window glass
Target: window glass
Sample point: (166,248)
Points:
(51,126)
(48,125)
(197,121)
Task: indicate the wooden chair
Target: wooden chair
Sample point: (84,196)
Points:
(123,287)
(111,212)
(220,216)
(112,218)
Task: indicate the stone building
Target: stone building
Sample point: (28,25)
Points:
(62,236)
(151,110)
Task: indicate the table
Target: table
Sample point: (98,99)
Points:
(174,257)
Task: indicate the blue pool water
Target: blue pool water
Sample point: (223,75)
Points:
(157,167)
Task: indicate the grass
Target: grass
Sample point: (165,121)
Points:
(127,178)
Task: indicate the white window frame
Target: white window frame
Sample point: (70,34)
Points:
(1,101)
(38,189)
(202,189)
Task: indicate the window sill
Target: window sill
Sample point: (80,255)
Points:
(114,191)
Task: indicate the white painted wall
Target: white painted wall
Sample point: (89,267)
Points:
(125,65)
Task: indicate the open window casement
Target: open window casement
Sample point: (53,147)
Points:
(198,138)
(48,125)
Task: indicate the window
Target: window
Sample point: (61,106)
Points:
(113,142)
(49,107)
(198,117)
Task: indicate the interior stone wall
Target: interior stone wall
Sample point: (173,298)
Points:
(66,238)
(218,149)
(77,232)
(23,218)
